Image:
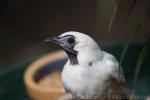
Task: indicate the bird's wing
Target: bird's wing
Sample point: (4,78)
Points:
(113,65)
(118,76)
(119,79)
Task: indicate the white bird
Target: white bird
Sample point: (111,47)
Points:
(89,73)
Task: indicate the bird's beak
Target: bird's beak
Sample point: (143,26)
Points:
(53,40)
(60,41)
(49,39)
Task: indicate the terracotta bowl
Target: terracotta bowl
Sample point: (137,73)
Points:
(42,78)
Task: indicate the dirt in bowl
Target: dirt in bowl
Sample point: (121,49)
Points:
(52,81)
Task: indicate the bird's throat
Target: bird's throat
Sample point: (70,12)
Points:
(73,58)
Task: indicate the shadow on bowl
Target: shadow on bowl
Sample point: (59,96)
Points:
(42,78)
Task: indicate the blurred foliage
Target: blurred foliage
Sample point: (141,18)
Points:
(131,8)
(140,60)
(135,29)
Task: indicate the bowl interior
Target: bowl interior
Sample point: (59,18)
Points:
(50,68)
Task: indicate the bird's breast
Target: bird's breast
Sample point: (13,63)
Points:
(83,81)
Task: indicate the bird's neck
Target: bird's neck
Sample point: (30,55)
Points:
(72,58)
(86,57)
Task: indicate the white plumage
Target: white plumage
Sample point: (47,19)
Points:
(96,73)
(90,73)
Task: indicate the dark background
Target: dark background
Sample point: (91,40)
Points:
(26,23)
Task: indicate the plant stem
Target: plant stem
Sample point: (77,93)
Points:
(135,29)
(140,61)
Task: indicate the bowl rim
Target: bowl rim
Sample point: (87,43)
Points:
(38,64)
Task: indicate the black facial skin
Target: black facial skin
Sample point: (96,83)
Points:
(67,43)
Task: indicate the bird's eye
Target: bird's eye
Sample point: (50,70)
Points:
(71,40)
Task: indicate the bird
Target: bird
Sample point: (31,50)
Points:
(90,72)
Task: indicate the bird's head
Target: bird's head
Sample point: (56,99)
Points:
(73,43)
